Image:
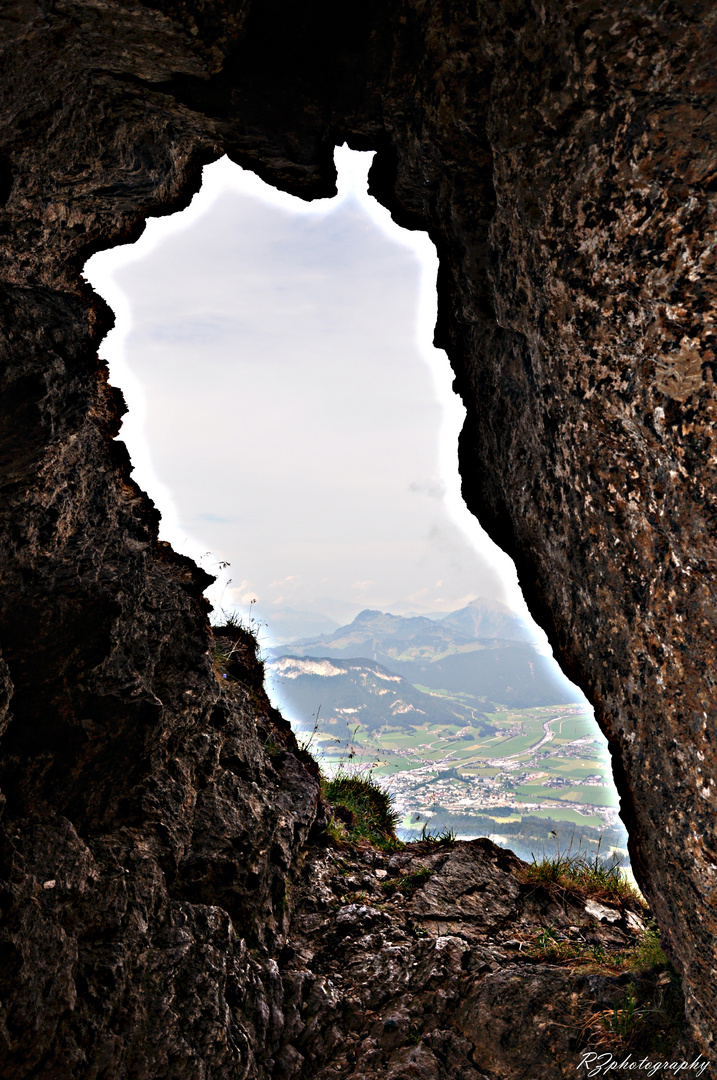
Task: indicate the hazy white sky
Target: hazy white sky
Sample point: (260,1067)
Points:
(288,413)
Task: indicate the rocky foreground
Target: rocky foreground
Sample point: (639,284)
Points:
(258,942)
(440,962)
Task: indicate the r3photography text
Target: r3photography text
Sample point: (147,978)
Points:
(598,1064)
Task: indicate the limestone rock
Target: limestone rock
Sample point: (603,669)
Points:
(562,157)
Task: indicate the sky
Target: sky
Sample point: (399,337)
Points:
(288,413)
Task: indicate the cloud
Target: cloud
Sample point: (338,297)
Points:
(434,489)
(203,332)
(290,406)
(240,594)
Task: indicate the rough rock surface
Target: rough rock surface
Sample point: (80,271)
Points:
(424,964)
(562,157)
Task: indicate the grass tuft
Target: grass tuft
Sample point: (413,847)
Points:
(445,836)
(363,811)
(649,1016)
(584,878)
(649,953)
(557,947)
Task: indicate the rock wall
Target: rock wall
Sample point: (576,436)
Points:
(562,157)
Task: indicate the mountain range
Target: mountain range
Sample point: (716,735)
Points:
(338,694)
(407,637)
(481,653)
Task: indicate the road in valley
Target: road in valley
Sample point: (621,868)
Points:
(547,737)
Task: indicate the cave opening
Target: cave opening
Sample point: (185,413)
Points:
(295,426)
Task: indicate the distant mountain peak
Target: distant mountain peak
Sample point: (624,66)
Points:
(366,615)
(483,650)
(479,620)
(489,604)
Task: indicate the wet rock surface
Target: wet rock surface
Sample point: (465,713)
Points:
(562,158)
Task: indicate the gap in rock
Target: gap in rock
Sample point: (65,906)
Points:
(297,430)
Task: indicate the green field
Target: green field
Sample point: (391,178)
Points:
(591,796)
(505,764)
(516,744)
(519,733)
(564,813)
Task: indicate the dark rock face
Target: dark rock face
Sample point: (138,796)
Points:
(562,157)
(144,948)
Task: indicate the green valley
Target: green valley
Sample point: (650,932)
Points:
(453,755)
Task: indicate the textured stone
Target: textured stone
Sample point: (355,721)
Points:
(444,984)
(562,157)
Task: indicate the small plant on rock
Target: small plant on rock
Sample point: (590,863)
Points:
(546,938)
(407,883)
(650,1016)
(364,810)
(648,953)
(444,836)
(624,1017)
(584,878)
